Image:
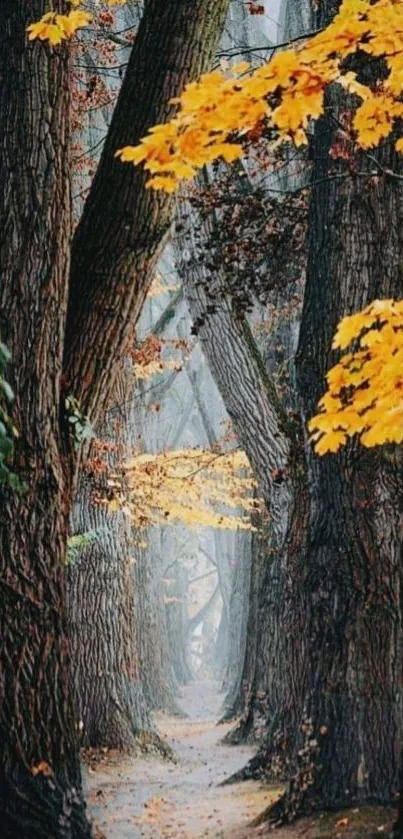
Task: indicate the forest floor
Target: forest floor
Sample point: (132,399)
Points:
(146,797)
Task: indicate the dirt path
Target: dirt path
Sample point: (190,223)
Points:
(149,798)
(146,797)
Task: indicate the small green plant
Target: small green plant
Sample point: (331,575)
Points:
(77,543)
(8,431)
(80,426)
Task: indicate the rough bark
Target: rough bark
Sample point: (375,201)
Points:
(270,438)
(37,725)
(119,238)
(354,551)
(350,720)
(114,251)
(102,626)
(151,628)
(101,605)
(249,395)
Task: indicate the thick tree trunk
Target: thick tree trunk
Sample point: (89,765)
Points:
(354,552)
(151,629)
(118,240)
(40,783)
(102,627)
(343,713)
(101,602)
(113,256)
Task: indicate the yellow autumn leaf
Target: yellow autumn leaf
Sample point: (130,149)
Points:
(53,33)
(131,154)
(163,182)
(73,21)
(193,486)
(365,389)
(330,442)
(55,28)
(224,105)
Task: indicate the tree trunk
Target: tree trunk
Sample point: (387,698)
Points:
(119,238)
(176,609)
(242,703)
(151,628)
(102,627)
(238,611)
(354,552)
(272,442)
(40,783)
(101,602)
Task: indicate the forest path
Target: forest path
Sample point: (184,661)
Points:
(145,797)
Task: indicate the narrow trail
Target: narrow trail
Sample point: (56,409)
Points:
(144,797)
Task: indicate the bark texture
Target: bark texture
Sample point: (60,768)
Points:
(102,624)
(119,238)
(330,611)
(152,631)
(40,784)
(114,251)
(102,620)
(271,440)
(354,555)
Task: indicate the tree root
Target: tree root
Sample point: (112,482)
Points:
(150,741)
(254,770)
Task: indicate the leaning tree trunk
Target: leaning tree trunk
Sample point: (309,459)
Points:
(40,783)
(271,439)
(119,238)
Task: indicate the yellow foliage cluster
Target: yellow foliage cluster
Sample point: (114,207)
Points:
(365,389)
(55,28)
(286,93)
(195,487)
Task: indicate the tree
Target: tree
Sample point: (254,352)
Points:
(338,574)
(107,674)
(283,95)
(66,318)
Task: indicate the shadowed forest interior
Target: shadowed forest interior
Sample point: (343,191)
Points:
(201,419)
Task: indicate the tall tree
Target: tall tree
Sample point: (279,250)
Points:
(332,721)
(114,250)
(353,568)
